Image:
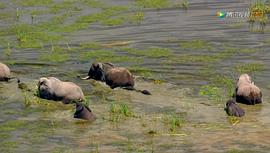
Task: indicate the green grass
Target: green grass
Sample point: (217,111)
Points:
(249,68)
(31,3)
(29,36)
(141,71)
(65,5)
(119,111)
(2,5)
(212,92)
(174,120)
(109,56)
(225,82)
(84,21)
(158,4)
(259,11)
(196,44)
(91,45)
(54,57)
(113,21)
(12,125)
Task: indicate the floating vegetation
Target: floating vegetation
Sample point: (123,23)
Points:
(29,36)
(109,56)
(144,72)
(185,5)
(30,3)
(91,45)
(249,68)
(65,5)
(84,21)
(196,44)
(2,5)
(225,82)
(158,4)
(113,21)
(213,92)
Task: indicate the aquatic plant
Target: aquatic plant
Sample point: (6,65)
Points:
(185,5)
(258,13)
(249,68)
(141,71)
(196,44)
(174,120)
(109,56)
(84,21)
(8,51)
(225,82)
(158,4)
(90,45)
(2,5)
(119,110)
(113,21)
(30,3)
(64,5)
(29,36)
(212,92)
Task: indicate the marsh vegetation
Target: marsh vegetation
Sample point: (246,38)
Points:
(185,56)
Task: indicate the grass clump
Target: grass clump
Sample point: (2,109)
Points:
(136,18)
(119,110)
(174,120)
(258,14)
(212,92)
(195,44)
(249,68)
(226,83)
(158,4)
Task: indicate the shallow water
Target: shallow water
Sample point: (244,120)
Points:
(50,127)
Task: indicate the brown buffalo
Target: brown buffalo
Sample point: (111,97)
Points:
(246,92)
(113,76)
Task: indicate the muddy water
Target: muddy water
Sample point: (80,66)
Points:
(49,126)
